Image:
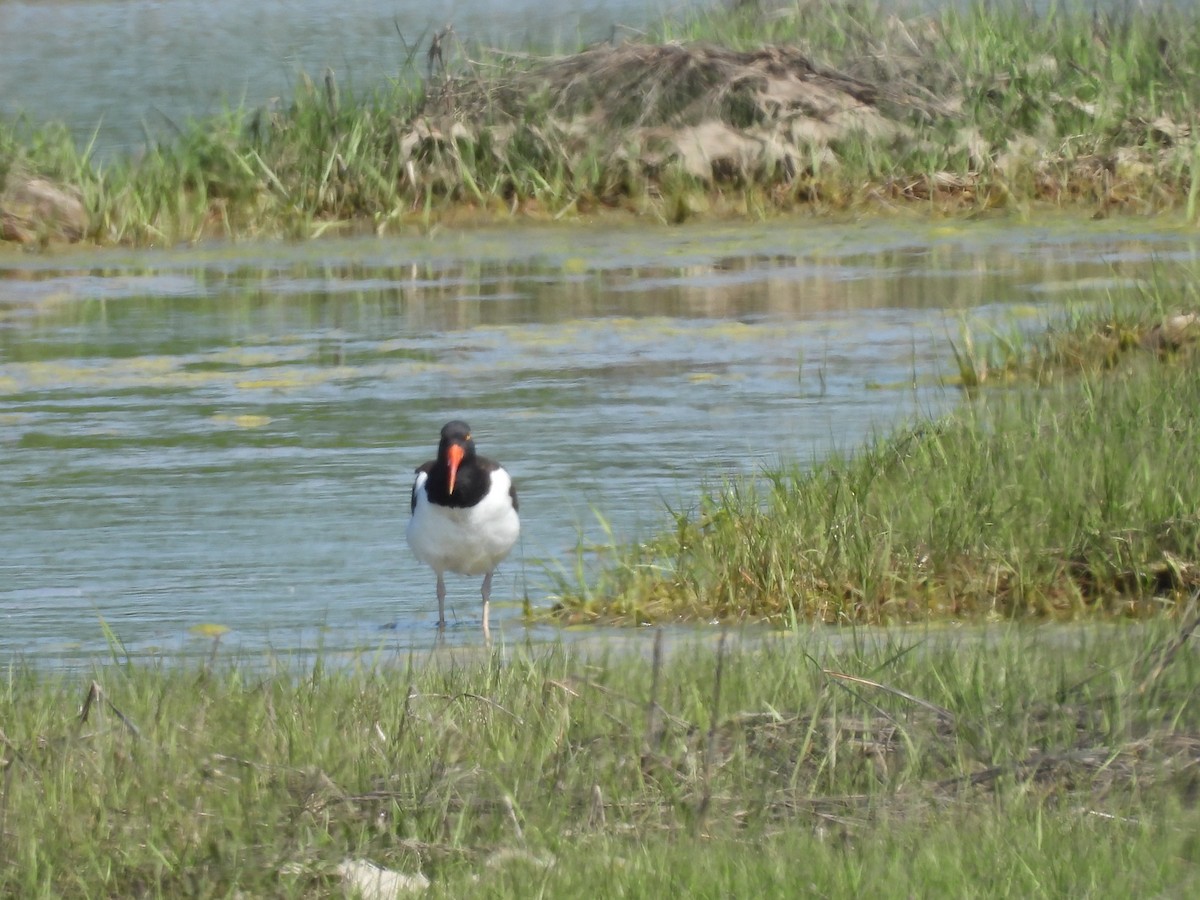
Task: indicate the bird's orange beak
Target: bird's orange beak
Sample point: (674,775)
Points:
(456,454)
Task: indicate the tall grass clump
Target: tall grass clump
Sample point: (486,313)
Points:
(1077,497)
(1067,103)
(1141,327)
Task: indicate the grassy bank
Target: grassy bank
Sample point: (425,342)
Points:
(1075,490)
(1037,764)
(750,110)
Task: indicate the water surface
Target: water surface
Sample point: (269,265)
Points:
(122,70)
(226,434)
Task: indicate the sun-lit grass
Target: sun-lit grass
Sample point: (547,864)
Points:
(994,763)
(1075,498)
(986,105)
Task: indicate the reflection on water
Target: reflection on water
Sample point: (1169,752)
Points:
(226,435)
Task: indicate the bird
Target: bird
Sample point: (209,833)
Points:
(464,514)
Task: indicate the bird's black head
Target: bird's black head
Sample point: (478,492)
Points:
(456,447)
(456,433)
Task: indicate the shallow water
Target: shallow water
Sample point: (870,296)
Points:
(117,71)
(226,435)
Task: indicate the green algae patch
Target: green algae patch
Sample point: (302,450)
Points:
(209,630)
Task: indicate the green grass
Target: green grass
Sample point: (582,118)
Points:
(988,105)
(1141,325)
(1009,762)
(1076,498)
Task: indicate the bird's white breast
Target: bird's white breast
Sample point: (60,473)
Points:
(468,540)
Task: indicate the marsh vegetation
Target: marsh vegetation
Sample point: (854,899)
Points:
(990,760)
(749,110)
(1066,486)
(1045,763)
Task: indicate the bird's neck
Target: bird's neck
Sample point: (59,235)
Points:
(470,485)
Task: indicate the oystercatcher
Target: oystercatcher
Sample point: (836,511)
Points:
(464,514)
